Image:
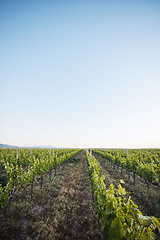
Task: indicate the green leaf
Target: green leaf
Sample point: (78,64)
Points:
(121,181)
(121,190)
(156,223)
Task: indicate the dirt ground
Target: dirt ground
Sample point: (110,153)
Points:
(62,210)
(148,201)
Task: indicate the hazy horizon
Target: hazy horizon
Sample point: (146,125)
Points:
(80,73)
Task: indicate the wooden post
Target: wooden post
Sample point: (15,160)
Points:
(127,152)
(17,154)
(32,187)
(128,175)
(50,175)
(41,185)
(90,154)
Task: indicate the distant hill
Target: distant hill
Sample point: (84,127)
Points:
(49,146)
(7,146)
(10,146)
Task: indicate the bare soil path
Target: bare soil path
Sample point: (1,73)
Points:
(64,209)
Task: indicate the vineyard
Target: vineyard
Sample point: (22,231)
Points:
(79,194)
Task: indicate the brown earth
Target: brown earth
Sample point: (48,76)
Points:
(62,210)
(148,201)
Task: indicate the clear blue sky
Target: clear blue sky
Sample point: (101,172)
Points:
(80,73)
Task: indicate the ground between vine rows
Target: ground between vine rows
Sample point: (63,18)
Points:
(64,209)
(148,201)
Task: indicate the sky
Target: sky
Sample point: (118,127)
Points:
(80,73)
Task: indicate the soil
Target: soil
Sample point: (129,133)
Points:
(148,201)
(62,210)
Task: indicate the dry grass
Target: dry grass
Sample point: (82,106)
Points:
(64,209)
(148,201)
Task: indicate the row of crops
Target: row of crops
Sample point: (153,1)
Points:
(120,217)
(144,163)
(21,168)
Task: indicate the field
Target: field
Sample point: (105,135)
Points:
(147,200)
(60,201)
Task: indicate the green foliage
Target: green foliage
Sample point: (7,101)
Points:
(146,166)
(120,217)
(22,168)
